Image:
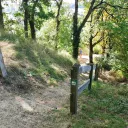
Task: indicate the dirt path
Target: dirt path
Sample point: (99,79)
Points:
(32,110)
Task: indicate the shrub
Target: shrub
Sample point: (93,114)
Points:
(97,49)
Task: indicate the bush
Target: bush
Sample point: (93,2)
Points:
(104,63)
(97,49)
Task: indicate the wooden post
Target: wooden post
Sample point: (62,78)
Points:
(96,72)
(74,88)
(2,65)
(90,76)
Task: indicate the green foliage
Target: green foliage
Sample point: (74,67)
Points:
(97,49)
(9,37)
(48,32)
(103,62)
(118,36)
(65,35)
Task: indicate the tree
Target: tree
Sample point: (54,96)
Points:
(1,18)
(32,19)
(115,26)
(59,5)
(48,30)
(95,32)
(78,28)
(33,10)
(94,4)
(26,17)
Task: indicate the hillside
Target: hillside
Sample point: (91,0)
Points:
(36,92)
(36,85)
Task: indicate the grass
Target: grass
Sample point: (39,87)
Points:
(44,59)
(44,63)
(105,106)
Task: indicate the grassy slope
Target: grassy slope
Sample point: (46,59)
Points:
(37,60)
(106,106)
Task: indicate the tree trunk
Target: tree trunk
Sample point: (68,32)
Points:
(26,16)
(1,18)
(32,27)
(76,35)
(32,20)
(91,49)
(77,30)
(59,4)
(57,34)
(76,41)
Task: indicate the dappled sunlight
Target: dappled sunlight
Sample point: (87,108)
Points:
(24,104)
(57,68)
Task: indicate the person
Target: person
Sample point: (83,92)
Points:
(80,53)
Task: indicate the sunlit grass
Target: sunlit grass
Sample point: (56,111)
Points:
(43,61)
(105,106)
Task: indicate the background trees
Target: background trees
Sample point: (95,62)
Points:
(62,26)
(1,18)
(34,12)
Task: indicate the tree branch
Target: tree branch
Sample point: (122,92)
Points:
(105,9)
(98,41)
(95,7)
(57,3)
(95,35)
(114,6)
(87,16)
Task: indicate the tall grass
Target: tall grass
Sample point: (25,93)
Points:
(44,62)
(106,106)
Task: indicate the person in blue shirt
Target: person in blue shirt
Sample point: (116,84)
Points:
(80,53)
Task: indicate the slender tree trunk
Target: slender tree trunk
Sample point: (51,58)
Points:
(76,35)
(91,49)
(57,33)
(76,41)
(32,27)
(1,18)
(26,16)
(32,20)
(59,4)
(77,30)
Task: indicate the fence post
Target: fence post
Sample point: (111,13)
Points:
(96,72)
(2,65)
(90,76)
(74,88)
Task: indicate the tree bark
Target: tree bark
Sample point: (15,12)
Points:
(76,41)
(26,16)
(1,18)
(91,49)
(32,21)
(76,36)
(59,4)
(32,27)
(77,30)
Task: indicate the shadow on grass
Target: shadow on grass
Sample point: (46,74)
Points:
(19,81)
(44,60)
(46,66)
(9,37)
(103,107)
